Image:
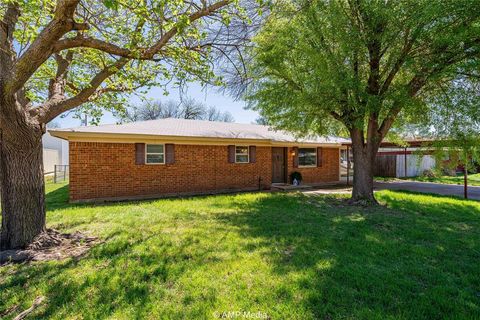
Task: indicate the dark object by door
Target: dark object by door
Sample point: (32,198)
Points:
(278,165)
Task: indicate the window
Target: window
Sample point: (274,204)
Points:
(307,157)
(241,154)
(155,154)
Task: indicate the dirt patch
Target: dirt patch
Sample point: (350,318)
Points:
(51,245)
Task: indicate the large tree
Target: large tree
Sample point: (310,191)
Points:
(58,55)
(363,64)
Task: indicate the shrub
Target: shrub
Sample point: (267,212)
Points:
(429,173)
(449,172)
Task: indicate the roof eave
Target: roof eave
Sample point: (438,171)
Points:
(76,136)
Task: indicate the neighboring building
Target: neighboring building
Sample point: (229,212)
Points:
(55,152)
(397,161)
(176,156)
(402,162)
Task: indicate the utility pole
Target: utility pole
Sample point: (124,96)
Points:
(465,176)
(348,165)
(465,182)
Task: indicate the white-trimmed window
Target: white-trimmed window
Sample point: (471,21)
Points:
(155,154)
(307,157)
(241,154)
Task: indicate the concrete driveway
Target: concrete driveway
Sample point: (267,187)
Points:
(425,187)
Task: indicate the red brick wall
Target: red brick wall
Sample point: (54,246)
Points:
(328,172)
(107,170)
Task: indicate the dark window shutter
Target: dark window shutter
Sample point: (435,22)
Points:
(295,157)
(319,156)
(169,153)
(139,153)
(252,154)
(231,154)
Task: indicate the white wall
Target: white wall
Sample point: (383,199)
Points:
(51,157)
(64,159)
(414,167)
(60,145)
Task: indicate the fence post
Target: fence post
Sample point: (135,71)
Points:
(54,173)
(348,165)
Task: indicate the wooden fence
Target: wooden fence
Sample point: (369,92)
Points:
(385,166)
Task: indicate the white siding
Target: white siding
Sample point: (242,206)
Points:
(64,159)
(61,146)
(414,167)
(51,157)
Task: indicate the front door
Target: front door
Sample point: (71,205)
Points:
(278,165)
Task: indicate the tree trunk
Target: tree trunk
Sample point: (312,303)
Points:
(22,185)
(363,160)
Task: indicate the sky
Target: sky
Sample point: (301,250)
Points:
(210,96)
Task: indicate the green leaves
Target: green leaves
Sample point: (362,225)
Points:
(454,122)
(111,4)
(317,63)
(164,41)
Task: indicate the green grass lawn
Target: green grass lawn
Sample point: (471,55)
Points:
(473,179)
(287,255)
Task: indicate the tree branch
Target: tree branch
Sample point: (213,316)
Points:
(57,104)
(193,17)
(56,88)
(419,80)
(413,87)
(399,63)
(42,47)
(140,53)
(88,42)
(7,26)
(55,107)
(120,88)
(336,116)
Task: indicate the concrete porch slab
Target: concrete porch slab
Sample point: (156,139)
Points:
(289,187)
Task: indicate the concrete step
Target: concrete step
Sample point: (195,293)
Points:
(285,186)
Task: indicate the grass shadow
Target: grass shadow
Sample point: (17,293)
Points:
(401,260)
(290,255)
(57,198)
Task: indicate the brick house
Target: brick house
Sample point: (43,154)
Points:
(176,156)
